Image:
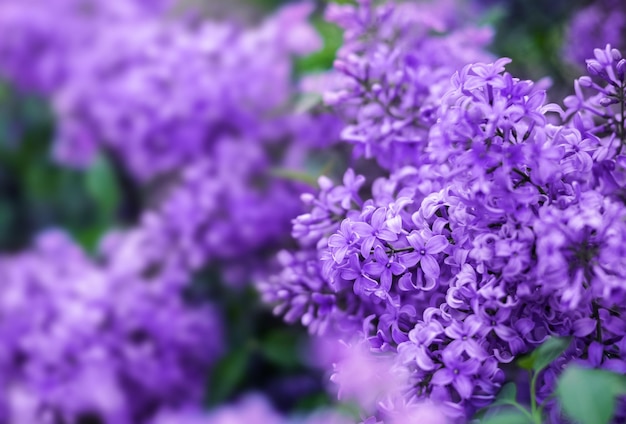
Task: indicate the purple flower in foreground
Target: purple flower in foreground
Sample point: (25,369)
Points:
(342,241)
(462,334)
(385,267)
(374,232)
(425,247)
(457,371)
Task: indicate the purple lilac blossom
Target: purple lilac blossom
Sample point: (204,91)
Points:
(84,342)
(152,90)
(161,96)
(42,38)
(197,106)
(511,230)
(600,23)
(222,210)
(394,72)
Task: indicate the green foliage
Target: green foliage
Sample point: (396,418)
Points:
(321,60)
(545,354)
(281,347)
(511,416)
(35,192)
(507,394)
(588,396)
(229,373)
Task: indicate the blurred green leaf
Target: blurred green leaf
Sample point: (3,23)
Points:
(507,417)
(293,175)
(228,374)
(307,102)
(541,357)
(313,402)
(493,16)
(588,395)
(507,394)
(322,60)
(280,347)
(102,186)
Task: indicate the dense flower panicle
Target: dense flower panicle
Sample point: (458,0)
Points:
(82,342)
(191,102)
(511,231)
(599,23)
(596,110)
(155,92)
(395,71)
(222,210)
(42,38)
(160,96)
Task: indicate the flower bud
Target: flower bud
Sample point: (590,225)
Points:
(617,55)
(621,69)
(585,81)
(594,68)
(608,101)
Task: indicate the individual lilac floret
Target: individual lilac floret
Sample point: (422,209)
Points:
(81,343)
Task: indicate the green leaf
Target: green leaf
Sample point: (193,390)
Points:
(102,186)
(313,401)
(588,395)
(507,417)
(281,348)
(545,354)
(507,394)
(322,59)
(229,373)
(290,174)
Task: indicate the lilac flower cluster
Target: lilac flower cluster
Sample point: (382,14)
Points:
(394,72)
(153,91)
(160,97)
(42,38)
(601,22)
(84,343)
(192,103)
(505,227)
(223,210)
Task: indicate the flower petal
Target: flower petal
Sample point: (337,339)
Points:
(430,266)
(436,244)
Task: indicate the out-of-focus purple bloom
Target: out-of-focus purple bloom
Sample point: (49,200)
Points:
(81,341)
(602,22)
(153,91)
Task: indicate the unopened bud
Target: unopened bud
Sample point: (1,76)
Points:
(608,101)
(594,68)
(621,69)
(616,54)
